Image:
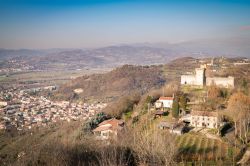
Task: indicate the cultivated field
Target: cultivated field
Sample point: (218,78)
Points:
(47,77)
(197,147)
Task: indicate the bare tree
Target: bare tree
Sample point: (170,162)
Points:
(239,108)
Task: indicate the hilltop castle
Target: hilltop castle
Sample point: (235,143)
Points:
(197,79)
(200,79)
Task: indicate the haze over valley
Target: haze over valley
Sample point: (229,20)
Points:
(126,83)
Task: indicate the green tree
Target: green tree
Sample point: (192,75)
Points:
(149,99)
(224,93)
(183,102)
(93,122)
(175,109)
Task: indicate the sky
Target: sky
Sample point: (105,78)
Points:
(96,23)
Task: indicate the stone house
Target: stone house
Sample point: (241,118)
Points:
(108,129)
(164,102)
(204,119)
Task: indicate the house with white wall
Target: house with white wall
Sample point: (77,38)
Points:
(204,119)
(108,129)
(164,102)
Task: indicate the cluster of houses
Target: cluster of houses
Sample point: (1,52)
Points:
(25,111)
(196,119)
(187,120)
(15,66)
(111,128)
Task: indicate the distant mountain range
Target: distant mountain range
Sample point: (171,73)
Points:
(136,54)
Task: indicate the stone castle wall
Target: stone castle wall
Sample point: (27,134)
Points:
(227,82)
(200,79)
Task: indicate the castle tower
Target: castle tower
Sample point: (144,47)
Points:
(200,76)
(212,61)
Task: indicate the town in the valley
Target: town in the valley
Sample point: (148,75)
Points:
(21,110)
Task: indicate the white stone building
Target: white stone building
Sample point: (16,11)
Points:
(164,102)
(204,119)
(200,79)
(197,79)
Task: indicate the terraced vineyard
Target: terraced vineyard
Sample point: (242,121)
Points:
(197,147)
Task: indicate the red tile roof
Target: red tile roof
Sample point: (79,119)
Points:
(111,124)
(102,128)
(166,98)
(204,113)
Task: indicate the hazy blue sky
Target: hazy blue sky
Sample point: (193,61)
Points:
(92,23)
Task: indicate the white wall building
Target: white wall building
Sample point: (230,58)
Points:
(200,79)
(197,79)
(167,102)
(108,129)
(204,119)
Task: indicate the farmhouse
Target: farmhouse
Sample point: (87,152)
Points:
(108,129)
(204,119)
(164,102)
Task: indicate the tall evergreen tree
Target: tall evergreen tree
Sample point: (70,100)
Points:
(175,109)
(183,102)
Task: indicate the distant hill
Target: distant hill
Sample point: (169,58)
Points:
(228,47)
(131,78)
(125,80)
(112,56)
(121,81)
(118,55)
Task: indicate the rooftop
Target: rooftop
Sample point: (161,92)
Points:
(166,98)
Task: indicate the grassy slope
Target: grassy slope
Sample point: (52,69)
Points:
(30,144)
